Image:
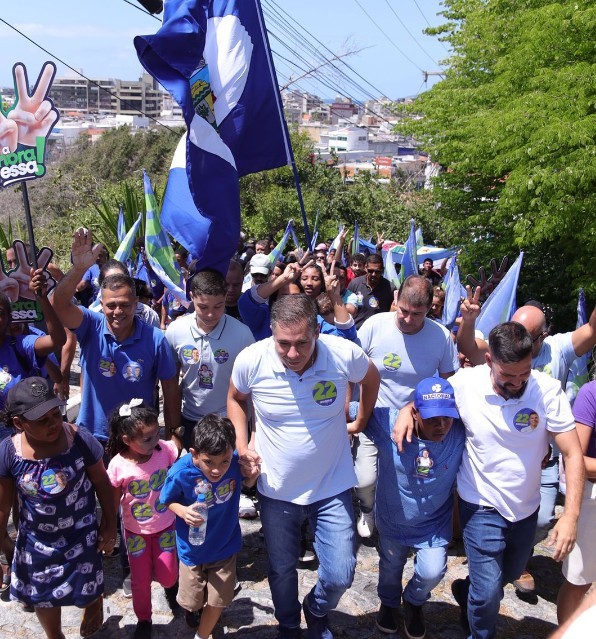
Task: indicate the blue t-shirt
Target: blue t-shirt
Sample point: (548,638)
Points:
(11,370)
(115,372)
(414,498)
(92,276)
(223,539)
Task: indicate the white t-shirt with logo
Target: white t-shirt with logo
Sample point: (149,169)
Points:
(404,360)
(506,440)
(300,420)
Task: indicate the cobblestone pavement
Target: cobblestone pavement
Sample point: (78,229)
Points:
(251,613)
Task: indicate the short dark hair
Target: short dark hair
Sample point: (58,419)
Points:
(119,280)
(416,290)
(110,265)
(358,257)
(214,435)
(374,258)
(264,243)
(290,310)
(321,275)
(509,343)
(208,282)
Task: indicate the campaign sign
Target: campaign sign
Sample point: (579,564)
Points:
(14,283)
(25,127)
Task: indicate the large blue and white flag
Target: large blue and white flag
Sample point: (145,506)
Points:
(578,372)
(214,58)
(390,270)
(500,305)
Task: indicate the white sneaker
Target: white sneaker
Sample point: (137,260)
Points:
(365,524)
(246,509)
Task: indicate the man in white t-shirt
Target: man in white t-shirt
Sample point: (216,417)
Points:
(509,411)
(551,354)
(298,382)
(406,347)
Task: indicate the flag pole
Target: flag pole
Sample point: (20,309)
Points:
(29,224)
(289,151)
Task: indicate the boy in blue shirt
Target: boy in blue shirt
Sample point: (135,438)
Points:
(414,501)
(208,571)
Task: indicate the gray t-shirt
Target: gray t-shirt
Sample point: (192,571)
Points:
(404,360)
(206,361)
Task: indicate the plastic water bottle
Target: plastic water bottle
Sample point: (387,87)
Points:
(196,534)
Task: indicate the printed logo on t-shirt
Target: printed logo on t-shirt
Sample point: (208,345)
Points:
(546,369)
(5,377)
(132,372)
(167,541)
(190,354)
(141,511)
(423,464)
(136,545)
(391,361)
(160,507)
(203,487)
(139,488)
(205,376)
(157,479)
(107,367)
(373,302)
(224,491)
(221,356)
(54,480)
(526,420)
(324,393)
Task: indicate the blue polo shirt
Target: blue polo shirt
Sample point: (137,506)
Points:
(11,370)
(115,372)
(414,498)
(92,277)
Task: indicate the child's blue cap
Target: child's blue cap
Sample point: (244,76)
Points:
(434,397)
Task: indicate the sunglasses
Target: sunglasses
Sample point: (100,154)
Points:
(373,271)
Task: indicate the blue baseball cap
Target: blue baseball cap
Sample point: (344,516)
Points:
(434,397)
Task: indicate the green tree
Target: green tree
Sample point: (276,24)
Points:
(514,123)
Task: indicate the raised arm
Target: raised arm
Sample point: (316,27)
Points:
(584,338)
(84,255)
(466,340)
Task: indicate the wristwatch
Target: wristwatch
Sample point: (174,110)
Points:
(179,432)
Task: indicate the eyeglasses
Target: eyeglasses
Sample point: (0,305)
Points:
(373,271)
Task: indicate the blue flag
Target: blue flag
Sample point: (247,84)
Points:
(213,57)
(409,263)
(121,226)
(453,294)
(127,243)
(276,253)
(578,373)
(500,305)
(390,270)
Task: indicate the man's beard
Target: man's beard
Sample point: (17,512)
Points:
(507,394)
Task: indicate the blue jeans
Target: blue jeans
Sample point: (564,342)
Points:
(332,521)
(497,551)
(430,566)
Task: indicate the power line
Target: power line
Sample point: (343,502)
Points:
(388,38)
(403,24)
(378,91)
(99,86)
(429,24)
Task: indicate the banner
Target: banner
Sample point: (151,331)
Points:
(25,127)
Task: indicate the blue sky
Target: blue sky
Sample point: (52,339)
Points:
(97,38)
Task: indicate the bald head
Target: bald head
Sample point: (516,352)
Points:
(534,321)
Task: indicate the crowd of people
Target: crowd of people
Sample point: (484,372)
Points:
(346,401)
